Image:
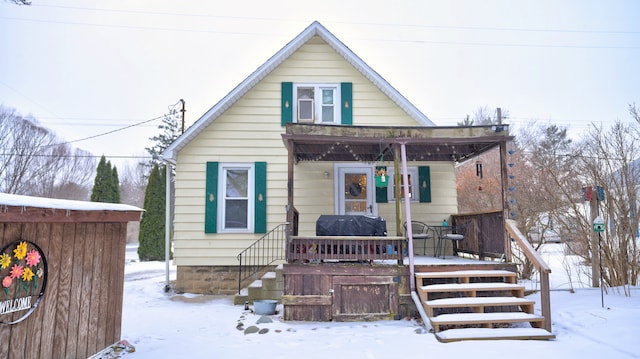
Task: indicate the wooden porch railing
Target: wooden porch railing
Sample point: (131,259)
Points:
(348,248)
(485,234)
(541,266)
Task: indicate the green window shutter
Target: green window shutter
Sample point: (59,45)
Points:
(287,103)
(260,215)
(381,192)
(424,178)
(346,92)
(211,200)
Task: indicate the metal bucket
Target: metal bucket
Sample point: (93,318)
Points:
(265,307)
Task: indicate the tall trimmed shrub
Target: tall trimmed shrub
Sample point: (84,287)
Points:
(106,186)
(151,238)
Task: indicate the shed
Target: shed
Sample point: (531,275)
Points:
(62,270)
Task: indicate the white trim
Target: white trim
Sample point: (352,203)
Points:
(222,180)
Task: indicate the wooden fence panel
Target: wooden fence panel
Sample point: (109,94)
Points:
(97,285)
(34,337)
(64,292)
(49,301)
(485,234)
(17,336)
(85,299)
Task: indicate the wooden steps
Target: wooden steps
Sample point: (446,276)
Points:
(453,335)
(466,275)
(485,318)
(472,289)
(479,305)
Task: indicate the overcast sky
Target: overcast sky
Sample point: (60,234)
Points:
(87,67)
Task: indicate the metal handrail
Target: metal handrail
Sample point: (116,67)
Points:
(262,253)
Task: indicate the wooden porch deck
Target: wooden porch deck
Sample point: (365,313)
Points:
(353,278)
(364,278)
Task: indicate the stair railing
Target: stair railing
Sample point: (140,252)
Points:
(542,267)
(262,253)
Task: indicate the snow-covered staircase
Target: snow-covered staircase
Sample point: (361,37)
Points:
(478,304)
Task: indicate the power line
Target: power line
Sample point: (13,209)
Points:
(72,156)
(103,133)
(113,131)
(416,41)
(136,27)
(445,27)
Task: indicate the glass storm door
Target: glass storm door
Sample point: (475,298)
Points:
(355,191)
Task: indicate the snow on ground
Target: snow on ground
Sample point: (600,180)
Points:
(168,325)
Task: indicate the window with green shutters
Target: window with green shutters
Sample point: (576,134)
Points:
(419,190)
(319,103)
(236,197)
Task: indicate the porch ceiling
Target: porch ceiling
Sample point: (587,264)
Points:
(376,143)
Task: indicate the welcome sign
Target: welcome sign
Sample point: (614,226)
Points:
(23,271)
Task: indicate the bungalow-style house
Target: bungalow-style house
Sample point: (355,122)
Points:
(302,163)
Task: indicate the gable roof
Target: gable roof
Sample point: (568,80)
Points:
(315,29)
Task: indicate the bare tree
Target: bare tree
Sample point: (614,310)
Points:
(35,162)
(612,161)
(634,112)
(133,182)
(545,186)
(484,116)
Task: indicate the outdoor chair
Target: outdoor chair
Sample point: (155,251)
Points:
(421,232)
(451,234)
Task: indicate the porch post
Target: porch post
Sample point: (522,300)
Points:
(290,208)
(407,206)
(397,194)
(505,201)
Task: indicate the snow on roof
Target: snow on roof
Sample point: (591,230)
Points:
(40,202)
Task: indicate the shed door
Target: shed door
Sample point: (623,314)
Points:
(357,298)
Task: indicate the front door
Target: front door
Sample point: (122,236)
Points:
(355,192)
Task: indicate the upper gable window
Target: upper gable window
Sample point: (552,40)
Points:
(317,103)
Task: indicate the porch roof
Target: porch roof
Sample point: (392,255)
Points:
(376,143)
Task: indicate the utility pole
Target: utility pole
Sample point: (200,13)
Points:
(183,111)
(595,265)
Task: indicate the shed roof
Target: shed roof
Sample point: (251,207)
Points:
(17,208)
(315,29)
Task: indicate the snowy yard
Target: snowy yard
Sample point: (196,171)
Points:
(163,325)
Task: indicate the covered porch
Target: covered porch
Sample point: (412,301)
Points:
(485,235)
(368,277)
